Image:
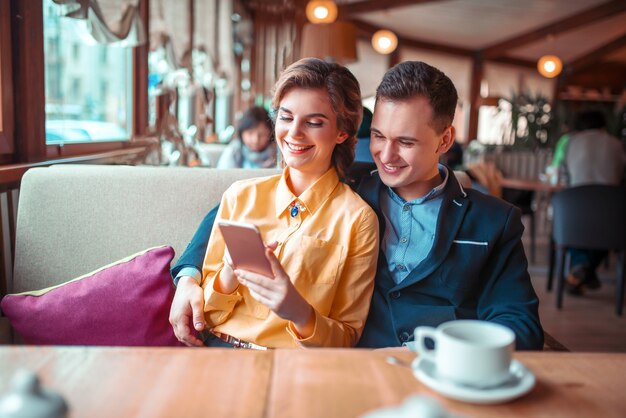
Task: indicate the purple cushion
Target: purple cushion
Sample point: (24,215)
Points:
(125,303)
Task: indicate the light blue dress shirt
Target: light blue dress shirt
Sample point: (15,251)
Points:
(410,227)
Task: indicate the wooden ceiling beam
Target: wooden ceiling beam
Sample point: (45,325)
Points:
(595,56)
(519,62)
(366,6)
(609,75)
(366,30)
(585,17)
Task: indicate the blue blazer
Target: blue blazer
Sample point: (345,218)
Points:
(476,269)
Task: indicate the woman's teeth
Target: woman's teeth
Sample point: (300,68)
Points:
(298,147)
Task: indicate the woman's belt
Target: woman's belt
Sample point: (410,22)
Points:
(236,342)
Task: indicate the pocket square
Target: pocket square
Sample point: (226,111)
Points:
(467,242)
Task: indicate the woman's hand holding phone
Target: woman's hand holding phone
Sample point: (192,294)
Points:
(256,267)
(279,294)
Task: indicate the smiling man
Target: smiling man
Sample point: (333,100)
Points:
(446,253)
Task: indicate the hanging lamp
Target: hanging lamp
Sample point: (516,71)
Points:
(321,11)
(549,66)
(384,41)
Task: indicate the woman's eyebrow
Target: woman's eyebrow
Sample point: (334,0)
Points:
(317,115)
(310,115)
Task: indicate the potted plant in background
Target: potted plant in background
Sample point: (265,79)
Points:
(533,122)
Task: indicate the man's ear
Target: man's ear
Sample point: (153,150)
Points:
(341,137)
(447,139)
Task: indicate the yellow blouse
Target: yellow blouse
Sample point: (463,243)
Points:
(329,250)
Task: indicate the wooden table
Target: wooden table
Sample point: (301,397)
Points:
(185,382)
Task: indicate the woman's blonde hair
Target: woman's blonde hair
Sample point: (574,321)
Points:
(345,98)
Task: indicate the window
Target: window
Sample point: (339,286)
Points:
(76,89)
(88,86)
(494,124)
(76,52)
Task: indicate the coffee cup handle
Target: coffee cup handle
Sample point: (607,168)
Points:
(421,333)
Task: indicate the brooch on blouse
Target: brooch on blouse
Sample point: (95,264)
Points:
(295,208)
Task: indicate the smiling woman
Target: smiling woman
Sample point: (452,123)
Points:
(321,238)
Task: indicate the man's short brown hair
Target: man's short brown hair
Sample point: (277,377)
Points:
(415,78)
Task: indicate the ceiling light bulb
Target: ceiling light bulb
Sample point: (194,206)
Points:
(384,41)
(549,66)
(321,11)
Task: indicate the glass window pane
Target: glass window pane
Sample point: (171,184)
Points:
(494,125)
(88,85)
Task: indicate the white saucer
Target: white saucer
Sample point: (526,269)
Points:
(521,382)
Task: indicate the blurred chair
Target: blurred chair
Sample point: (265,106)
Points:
(590,217)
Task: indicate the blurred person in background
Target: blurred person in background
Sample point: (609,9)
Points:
(592,156)
(254,146)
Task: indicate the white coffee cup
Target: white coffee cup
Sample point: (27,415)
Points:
(469,352)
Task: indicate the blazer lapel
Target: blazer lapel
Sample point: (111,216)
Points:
(451,214)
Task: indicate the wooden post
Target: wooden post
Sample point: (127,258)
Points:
(28,77)
(394,57)
(140,75)
(477,76)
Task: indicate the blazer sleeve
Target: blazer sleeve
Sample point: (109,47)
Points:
(193,256)
(508,297)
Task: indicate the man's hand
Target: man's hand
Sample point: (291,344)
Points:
(279,294)
(188,303)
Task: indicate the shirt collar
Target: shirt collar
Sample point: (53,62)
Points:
(312,198)
(435,192)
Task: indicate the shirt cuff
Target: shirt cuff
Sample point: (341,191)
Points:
(216,301)
(310,341)
(188,271)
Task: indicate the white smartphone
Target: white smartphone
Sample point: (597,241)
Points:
(245,246)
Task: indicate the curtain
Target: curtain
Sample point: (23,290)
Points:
(127,31)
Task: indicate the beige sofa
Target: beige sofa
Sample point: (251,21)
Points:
(73,219)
